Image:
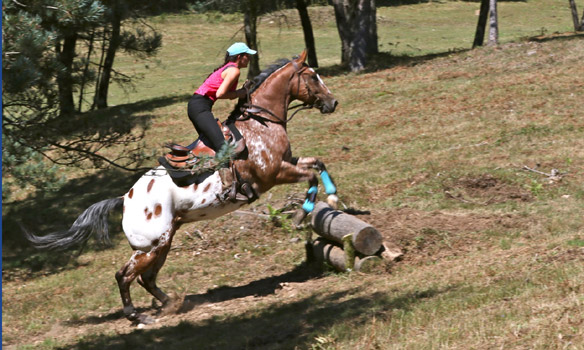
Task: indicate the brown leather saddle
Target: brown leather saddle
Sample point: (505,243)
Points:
(185,158)
(192,164)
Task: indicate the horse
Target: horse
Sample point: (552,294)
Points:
(155,207)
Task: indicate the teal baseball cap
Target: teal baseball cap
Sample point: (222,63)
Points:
(239,48)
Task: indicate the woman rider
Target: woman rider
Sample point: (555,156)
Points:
(221,84)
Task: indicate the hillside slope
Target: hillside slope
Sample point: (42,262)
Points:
(436,149)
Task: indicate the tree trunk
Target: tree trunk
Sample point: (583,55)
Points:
(493,24)
(343,24)
(357,28)
(308,34)
(371,25)
(250,20)
(577,23)
(482,24)
(85,70)
(110,55)
(100,67)
(66,55)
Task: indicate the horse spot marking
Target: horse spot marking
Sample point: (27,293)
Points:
(155,242)
(150,184)
(207,187)
(203,201)
(157,209)
(123,209)
(131,193)
(265,156)
(195,187)
(149,216)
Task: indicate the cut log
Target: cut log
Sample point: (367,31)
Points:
(334,225)
(327,252)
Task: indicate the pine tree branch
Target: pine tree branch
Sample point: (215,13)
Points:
(89,155)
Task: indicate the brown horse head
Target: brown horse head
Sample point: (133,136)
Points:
(308,87)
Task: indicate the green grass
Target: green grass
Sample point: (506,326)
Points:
(432,141)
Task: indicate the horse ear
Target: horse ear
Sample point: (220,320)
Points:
(302,58)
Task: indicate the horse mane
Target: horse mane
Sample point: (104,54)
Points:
(256,82)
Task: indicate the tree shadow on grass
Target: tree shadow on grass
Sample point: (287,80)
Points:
(386,60)
(263,287)
(556,37)
(43,212)
(277,326)
(143,106)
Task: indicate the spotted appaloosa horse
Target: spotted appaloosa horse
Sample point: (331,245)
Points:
(155,206)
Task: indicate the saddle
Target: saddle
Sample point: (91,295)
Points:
(192,164)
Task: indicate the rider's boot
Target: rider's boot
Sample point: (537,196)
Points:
(230,185)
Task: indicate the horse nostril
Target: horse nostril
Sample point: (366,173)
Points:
(335,104)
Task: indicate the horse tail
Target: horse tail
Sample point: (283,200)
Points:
(93,220)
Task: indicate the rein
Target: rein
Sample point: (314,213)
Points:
(249,107)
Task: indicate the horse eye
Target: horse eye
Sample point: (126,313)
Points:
(315,78)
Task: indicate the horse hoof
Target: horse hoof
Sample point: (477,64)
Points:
(140,319)
(144,320)
(333,201)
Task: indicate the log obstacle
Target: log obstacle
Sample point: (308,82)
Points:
(346,242)
(324,250)
(334,225)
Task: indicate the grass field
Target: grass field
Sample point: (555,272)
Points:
(432,141)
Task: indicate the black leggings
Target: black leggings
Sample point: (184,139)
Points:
(199,110)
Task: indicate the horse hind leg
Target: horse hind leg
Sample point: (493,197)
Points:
(145,267)
(148,279)
(125,276)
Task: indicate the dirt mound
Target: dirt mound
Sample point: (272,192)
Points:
(429,236)
(484,190)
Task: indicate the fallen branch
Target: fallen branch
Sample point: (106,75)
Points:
(245,212)
(553,176)
(554,172)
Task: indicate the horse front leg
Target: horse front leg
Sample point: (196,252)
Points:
(301,169)
(329,186)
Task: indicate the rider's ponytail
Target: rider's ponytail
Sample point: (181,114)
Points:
(228,59)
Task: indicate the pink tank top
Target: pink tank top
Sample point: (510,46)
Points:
(212,83)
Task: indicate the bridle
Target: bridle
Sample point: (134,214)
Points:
(250,110)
